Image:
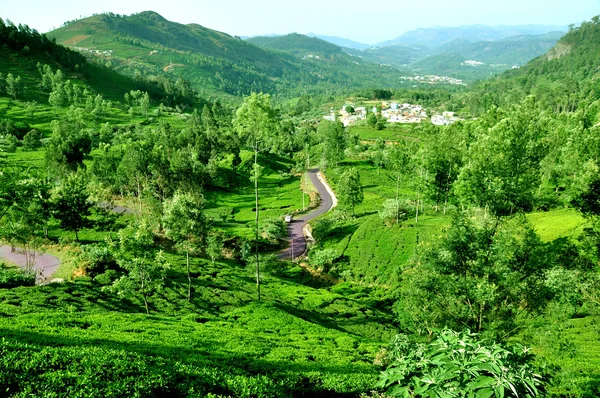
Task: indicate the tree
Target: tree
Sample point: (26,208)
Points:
(399,162)
(484,274)
(350,189)
(185,224)
(214,246)
(70,204)
(460,364)
(145,268)
(256,124)
(13,85)
(335,140)
(502,173)
(32,140)
(67,147)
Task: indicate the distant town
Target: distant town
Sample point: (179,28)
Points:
(392,113)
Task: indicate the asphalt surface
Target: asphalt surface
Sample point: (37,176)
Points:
(294,229)
(45,264)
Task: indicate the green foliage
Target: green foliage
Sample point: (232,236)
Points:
(503,169)
(484,274)
(71,205)
(350,189)
(67,146)
(459,365)
(394,211)
(145,269)
(15,277)
(334,140)
(32,140)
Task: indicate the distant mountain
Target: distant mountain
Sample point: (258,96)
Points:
(563,79)
(399,55)
(462,58)
(340,41)
(437,36)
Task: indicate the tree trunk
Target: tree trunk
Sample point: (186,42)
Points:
(256,222)
(76,236)
(187,259)
(397,203)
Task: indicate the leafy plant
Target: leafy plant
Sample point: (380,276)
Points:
(459,365)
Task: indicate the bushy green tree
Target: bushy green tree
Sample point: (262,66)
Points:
(32,140)
(484,274)
(350,190)
(67,147)
(502,173)
(184,223)
(71,205)
(134,251)
(334,140)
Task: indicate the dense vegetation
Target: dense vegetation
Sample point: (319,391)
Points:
(461,260)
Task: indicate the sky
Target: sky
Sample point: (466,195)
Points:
(359,20)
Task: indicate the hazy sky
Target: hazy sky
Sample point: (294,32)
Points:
(360,20)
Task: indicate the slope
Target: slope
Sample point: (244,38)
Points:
(213,62)
(297,44)
(564,79)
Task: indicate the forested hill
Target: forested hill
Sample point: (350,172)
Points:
(25,53)
(566,78)
(297,44)
(146,44)
(150,29)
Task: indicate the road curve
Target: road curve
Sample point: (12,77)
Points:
(295,228)
(45,264)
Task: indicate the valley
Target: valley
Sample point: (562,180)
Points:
(286,216)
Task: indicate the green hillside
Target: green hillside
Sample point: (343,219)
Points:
(484,58)
(459,260)
(214,62)
(299,45)
(564,79)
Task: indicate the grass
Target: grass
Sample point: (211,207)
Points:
(395,132)
(299,340)
(555,224)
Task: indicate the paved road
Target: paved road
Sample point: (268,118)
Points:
(294,229)
(45,264)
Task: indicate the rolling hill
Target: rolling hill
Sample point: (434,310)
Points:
(462,58)
(214,62)
(565,78)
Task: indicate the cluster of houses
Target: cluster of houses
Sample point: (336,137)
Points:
(392,113)
(444,119)
(434,79)
(106,53)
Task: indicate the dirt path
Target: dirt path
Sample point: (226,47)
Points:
(295,229)
(45,264)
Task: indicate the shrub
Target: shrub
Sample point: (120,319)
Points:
(32,140)
(15,277)
(8,143)
(99,259)
(458,364)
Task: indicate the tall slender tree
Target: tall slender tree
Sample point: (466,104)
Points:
(256,123)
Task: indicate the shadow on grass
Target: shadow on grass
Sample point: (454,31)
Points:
(294,378)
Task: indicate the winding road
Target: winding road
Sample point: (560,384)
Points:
(45,264)
(295,229)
